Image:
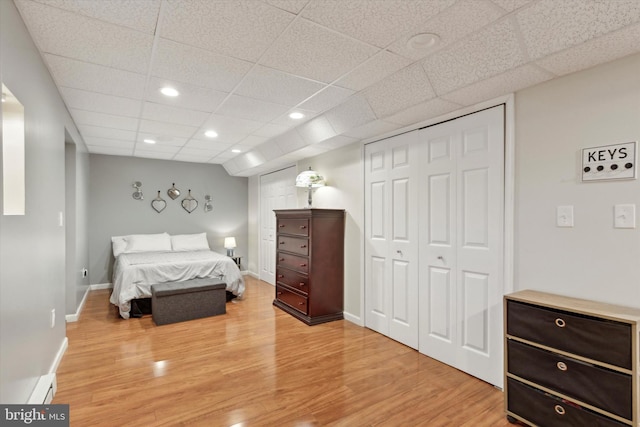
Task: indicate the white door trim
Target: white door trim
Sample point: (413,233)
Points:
(509,183)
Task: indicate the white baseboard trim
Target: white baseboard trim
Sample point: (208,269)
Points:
(74,317)
(58,359)
(252,274)
(99,286)
(353,319)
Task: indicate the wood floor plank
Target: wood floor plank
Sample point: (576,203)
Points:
(257,366)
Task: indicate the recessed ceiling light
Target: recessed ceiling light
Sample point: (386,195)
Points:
(169,91)
(211,133)
(423,42)
(235,150)
(149,141)
(296,116)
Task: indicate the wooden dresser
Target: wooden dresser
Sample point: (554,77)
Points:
(310,264)
(570,362)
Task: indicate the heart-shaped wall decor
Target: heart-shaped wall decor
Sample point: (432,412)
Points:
(158,204)
(173,192)
(189,204)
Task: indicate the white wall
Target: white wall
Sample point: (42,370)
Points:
(32,247)
(554,122)
(253,226)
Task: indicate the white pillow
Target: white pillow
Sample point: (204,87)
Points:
(119,244)
(148,243)
(190,242)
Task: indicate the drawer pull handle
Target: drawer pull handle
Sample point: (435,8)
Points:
(302,227)
(303,265)
(302,284)
(300,303)
(559,410)
(280,276)
(560,323)
(303,246)
(279,293)
(281,226)
(282,243)
(562,366)
(281,259)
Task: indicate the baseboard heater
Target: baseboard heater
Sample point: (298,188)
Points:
(44,391)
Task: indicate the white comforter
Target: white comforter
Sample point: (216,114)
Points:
(134,273)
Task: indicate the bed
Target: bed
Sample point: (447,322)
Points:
(145,259)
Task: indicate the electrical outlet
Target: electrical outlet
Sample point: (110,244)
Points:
(53,317)
(85,272)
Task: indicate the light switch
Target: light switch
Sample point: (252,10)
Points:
(624,216)
(564,216)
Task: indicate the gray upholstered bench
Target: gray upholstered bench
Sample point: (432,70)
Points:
(173,302)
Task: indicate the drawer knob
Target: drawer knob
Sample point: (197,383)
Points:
(280,276)
(281,226)
(282,243)
(300,303)
(303,265)
(302,227)
(279,293)
(559,410)
(302,284)
(281,259)
(562,366)
(303,246)
(560,323)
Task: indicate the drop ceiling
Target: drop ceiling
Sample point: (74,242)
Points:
(242,66)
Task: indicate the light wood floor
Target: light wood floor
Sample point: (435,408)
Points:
(257,366)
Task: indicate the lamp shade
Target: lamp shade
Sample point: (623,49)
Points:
(309,178)
(229,242)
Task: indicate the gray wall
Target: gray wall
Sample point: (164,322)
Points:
(114,212)
(32,247)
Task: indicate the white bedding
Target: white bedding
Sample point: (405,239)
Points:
(134,273)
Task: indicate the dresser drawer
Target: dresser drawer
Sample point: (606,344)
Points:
(299,227)
(545,410)
(603,388)
(598,339)
(297,245)
(292,299)
(293,279)
(293,262)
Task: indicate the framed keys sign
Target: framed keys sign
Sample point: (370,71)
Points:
(609,162)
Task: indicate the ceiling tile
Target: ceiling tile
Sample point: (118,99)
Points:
(90,41)
(141,16)
(511,5)
(169,129)
(109,133)
(316,130)
(508,82)
(224,125)
(253,141)
(401,90)
(338,141)
(271,85)
(483,55)
(108,104)
(326,99)
(251,109)
(270,151)
(293,6)
(423,111)
(156,148)
(112,143)
(288,141)
(111,151)
(597,51)
(240,28)
(169,114)
(458,21)
(354,112)
(549,25)
(198,67)
(287,121)
(161,139)
(377,127)
(270,130)
(309,50)
(199,152)
(200,144)
(311,150)
(191,97)
(153,155)
(376,22)
(373,70)
(96,78)
(82,117)
(182,157)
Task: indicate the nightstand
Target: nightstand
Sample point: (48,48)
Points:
(237,260)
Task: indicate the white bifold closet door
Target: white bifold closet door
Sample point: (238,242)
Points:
(277,191)
(454,244)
